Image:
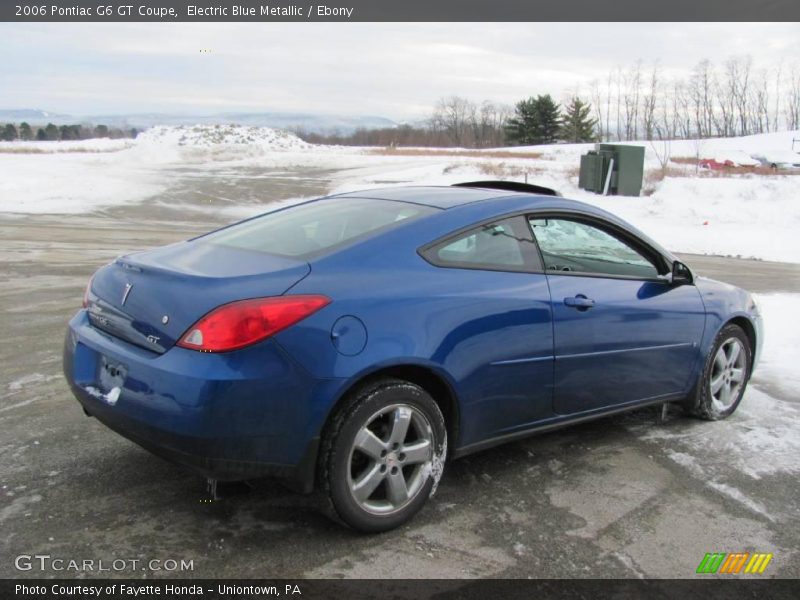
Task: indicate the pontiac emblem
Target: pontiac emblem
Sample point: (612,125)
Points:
(128,288)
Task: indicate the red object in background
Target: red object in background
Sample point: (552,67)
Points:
(714,165)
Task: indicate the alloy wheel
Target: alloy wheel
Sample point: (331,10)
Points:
(727,374)
(390,459)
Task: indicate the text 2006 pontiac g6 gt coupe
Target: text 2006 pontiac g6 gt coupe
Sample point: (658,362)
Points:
(357,341)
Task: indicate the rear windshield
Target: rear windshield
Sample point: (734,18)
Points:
(308,229)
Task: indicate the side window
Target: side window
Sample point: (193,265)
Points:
(504,245)
(569,245)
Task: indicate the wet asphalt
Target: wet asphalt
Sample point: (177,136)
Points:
(604,499)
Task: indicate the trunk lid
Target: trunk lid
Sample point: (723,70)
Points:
(151,298)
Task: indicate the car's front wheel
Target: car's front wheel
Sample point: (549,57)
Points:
(725,376)
(383,454)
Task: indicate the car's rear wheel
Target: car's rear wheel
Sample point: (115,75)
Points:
(725,376)
(383,454)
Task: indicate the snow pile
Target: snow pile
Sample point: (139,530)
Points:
(215,135)
(215,143)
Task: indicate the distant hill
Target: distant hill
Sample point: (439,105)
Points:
(314,123)
(33,116)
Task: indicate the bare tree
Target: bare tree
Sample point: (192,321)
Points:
(662,149)
(490,119)
(760,121)
(630,100)
(454,117)
(737,83)
(777,108)
(701,95)
(649,103)
(793,99)
(596,94)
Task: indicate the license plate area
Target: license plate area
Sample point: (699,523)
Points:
(111,374)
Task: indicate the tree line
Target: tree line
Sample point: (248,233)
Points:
(52,133)
(733,98)
(460,122)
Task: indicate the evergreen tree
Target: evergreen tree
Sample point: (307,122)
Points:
(65,132)
(41,136)
(101,131)
(520,127)
(25,131)
(51,132)
(9,133)
(535,121)
(577,125)
(549,116)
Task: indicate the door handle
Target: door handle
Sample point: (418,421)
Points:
(580,302)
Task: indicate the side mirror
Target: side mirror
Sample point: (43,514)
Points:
(681,275)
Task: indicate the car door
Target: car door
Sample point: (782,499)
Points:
(621,334)
(496,315)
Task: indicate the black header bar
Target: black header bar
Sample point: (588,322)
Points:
(260,11)
(714,588)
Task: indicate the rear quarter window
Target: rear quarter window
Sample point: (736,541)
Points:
(317,227)
(504,245)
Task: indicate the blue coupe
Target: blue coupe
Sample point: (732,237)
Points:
(353,343)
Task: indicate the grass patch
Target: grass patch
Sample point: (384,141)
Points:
(499,170)
(435,152)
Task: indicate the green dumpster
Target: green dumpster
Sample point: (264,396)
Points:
(613,169)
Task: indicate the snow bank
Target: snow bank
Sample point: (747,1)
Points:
(56,183)
(760,144)
(748,216)
(781,353)
(203,143)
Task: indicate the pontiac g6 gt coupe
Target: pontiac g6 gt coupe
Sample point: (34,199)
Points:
(353,343)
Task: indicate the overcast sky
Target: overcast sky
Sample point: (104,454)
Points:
(396,70)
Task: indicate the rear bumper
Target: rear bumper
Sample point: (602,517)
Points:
(240,415)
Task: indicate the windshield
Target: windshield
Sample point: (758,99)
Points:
(311,228)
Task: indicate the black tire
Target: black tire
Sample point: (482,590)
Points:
(701,402)
(338,458)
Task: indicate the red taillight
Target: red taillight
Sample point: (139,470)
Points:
(86,293)
(246,322)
